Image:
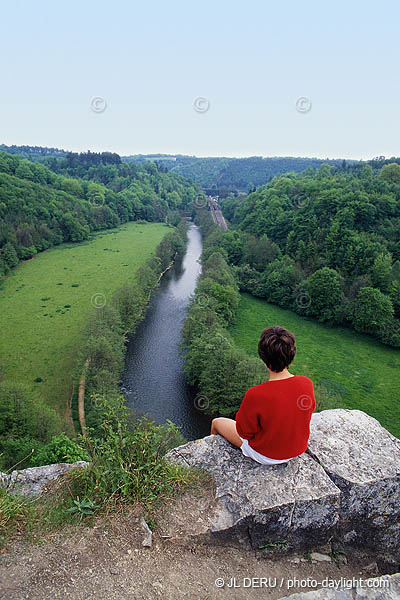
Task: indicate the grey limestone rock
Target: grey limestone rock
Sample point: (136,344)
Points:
(30,482)
(295,503)
(346,485)
(363,460)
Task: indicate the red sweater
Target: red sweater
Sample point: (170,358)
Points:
(275,416)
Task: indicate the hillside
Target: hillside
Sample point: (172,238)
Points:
(220,175)
(32,152)
(324,244)
(224,174)
(41,208)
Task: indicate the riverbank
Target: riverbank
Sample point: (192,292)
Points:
(44,304)
(221,372)
(93,344)
(154,382)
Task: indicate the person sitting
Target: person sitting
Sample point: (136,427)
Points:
(273,422)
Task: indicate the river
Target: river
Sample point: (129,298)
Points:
(154,382)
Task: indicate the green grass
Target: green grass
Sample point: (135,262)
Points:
(45,301)
(356,369)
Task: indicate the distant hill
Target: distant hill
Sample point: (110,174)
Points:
(33,152)
(217,175)
(223,175)
(42,207)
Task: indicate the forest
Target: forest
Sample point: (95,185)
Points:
(325,244)
(223,175)
(66,197)
(43,206)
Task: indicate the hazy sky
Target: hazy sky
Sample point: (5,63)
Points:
(250,60)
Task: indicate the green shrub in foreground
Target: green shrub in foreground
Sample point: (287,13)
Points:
(19,452)
(128,463)
(60,449)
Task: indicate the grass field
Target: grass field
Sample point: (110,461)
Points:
(358,371)
(44,302)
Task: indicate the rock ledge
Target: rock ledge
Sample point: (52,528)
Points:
(30,482)
(346,486)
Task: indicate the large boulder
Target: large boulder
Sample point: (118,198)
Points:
(363,460)
(293,504)
(347,486)
(32,481)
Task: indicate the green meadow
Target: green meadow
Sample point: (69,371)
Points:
(44,303)
(355,370)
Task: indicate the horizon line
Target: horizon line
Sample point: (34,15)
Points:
(177,154)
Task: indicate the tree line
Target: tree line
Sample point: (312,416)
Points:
(223,175)
(42,207)
(220,371)
(325,244)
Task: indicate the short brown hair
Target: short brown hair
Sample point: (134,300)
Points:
(277,348)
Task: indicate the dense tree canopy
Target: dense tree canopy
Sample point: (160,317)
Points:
(324,243)
(222,174)
(40,207)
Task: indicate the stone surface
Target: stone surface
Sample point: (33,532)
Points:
(378,588)
(347,486)
(295,503)
(363,460)
(148,535)
(318,557)
(30,482)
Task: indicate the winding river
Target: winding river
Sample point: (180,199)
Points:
(154,382)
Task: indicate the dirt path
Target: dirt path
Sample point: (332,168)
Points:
(108,561)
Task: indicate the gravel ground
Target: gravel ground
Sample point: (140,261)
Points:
(108,561)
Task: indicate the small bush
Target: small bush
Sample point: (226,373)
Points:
(19,452)
(128,461)
(58,450)
(23,418)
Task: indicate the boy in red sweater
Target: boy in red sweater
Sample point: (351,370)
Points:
(273,422)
